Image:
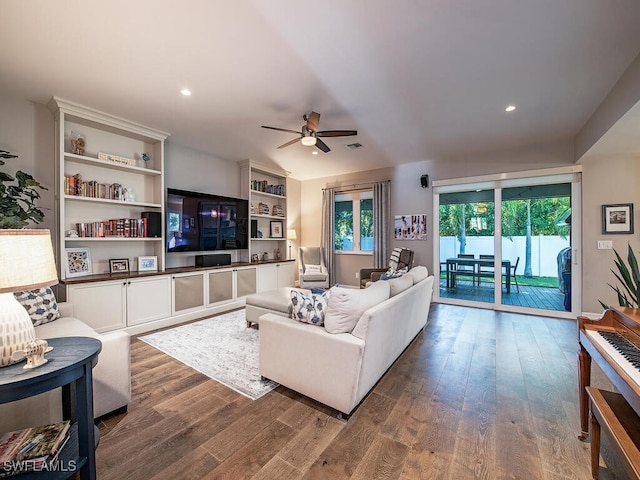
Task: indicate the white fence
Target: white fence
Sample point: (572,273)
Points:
(544,251)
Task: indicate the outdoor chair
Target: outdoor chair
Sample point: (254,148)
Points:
(485,271)
(469,270)
(514,267)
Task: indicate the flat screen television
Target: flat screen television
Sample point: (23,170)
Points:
(202,222)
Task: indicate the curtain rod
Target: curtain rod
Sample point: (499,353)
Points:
(354,185)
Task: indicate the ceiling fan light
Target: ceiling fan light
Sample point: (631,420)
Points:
(309,141)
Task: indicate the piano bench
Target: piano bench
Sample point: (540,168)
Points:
(611,413)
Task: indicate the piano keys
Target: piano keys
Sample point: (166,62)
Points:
(613,342)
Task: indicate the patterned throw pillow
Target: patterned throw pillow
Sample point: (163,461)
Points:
(391,273)
(309,308)
(40,304)
(394,261)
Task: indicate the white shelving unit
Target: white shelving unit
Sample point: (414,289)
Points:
(258,182)
(104,133)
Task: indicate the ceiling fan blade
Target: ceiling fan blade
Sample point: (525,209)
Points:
(312,121)
(337,133)
(281,129)
(290,142)
(322,146)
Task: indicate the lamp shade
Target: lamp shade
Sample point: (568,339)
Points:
(26,263)
(291,234)
(26,260)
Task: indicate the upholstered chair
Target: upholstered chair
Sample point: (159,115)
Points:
(400,258)
(312,269)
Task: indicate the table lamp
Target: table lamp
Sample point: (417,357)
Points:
(291,235)
(26,263)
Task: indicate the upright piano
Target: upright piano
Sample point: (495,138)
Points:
(613,342)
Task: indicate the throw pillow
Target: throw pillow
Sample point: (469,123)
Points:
(399,284)
(312,268)
(309,308)
(418,273)
(40,304)
(395,258)
(346,305)
(393,273)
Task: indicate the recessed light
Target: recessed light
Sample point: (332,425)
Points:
(315,152)
(510,108)
(186,92)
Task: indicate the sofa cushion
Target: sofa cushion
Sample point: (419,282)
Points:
(309,308)
(418,273)
(346,305)
(400,284)
(40,304)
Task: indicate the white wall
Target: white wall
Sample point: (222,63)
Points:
(27,130)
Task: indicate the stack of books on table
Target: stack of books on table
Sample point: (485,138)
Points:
(32,449)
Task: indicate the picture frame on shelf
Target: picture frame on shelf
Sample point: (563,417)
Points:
(617,218)
(118,265)
(276,229)
(148,264)
(78,262)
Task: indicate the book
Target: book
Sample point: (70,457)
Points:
(36,444)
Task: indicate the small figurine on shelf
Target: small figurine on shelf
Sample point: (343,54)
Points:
(277,254)
(146,159)
(77,143)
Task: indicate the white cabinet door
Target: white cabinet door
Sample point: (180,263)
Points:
(148,299)
(267,277)
(101,305)
(286,274)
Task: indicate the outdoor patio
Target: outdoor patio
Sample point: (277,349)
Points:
(528,296)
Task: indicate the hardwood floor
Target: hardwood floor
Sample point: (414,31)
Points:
(478,395)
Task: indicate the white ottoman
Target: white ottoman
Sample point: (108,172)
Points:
(273,301)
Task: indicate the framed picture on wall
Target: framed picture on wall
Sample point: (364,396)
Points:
(276,229)
(617,218)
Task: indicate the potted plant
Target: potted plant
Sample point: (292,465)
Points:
(629,277)
(18,195)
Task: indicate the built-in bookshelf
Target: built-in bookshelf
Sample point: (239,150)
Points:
(266,189)
(109,171)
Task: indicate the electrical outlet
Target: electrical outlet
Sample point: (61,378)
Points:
(605,245)
(358,275)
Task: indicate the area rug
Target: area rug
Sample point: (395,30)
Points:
(221,347)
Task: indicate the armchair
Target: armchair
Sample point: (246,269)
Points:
(400,258)
(312,269)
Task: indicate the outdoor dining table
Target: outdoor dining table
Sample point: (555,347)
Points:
(476,263)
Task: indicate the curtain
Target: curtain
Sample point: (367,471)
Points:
(328,215)
(381,226)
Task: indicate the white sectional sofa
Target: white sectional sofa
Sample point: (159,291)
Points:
(339,369)
(111,376)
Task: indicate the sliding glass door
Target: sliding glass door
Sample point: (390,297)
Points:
(508,243)
(466,245)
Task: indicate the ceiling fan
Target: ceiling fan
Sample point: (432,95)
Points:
(309,134)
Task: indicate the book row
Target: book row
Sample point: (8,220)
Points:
(74,185)
(263,186)
(116,227)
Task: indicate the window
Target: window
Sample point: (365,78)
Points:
(354,222)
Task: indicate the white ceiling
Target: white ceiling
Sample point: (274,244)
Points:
(418,79)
